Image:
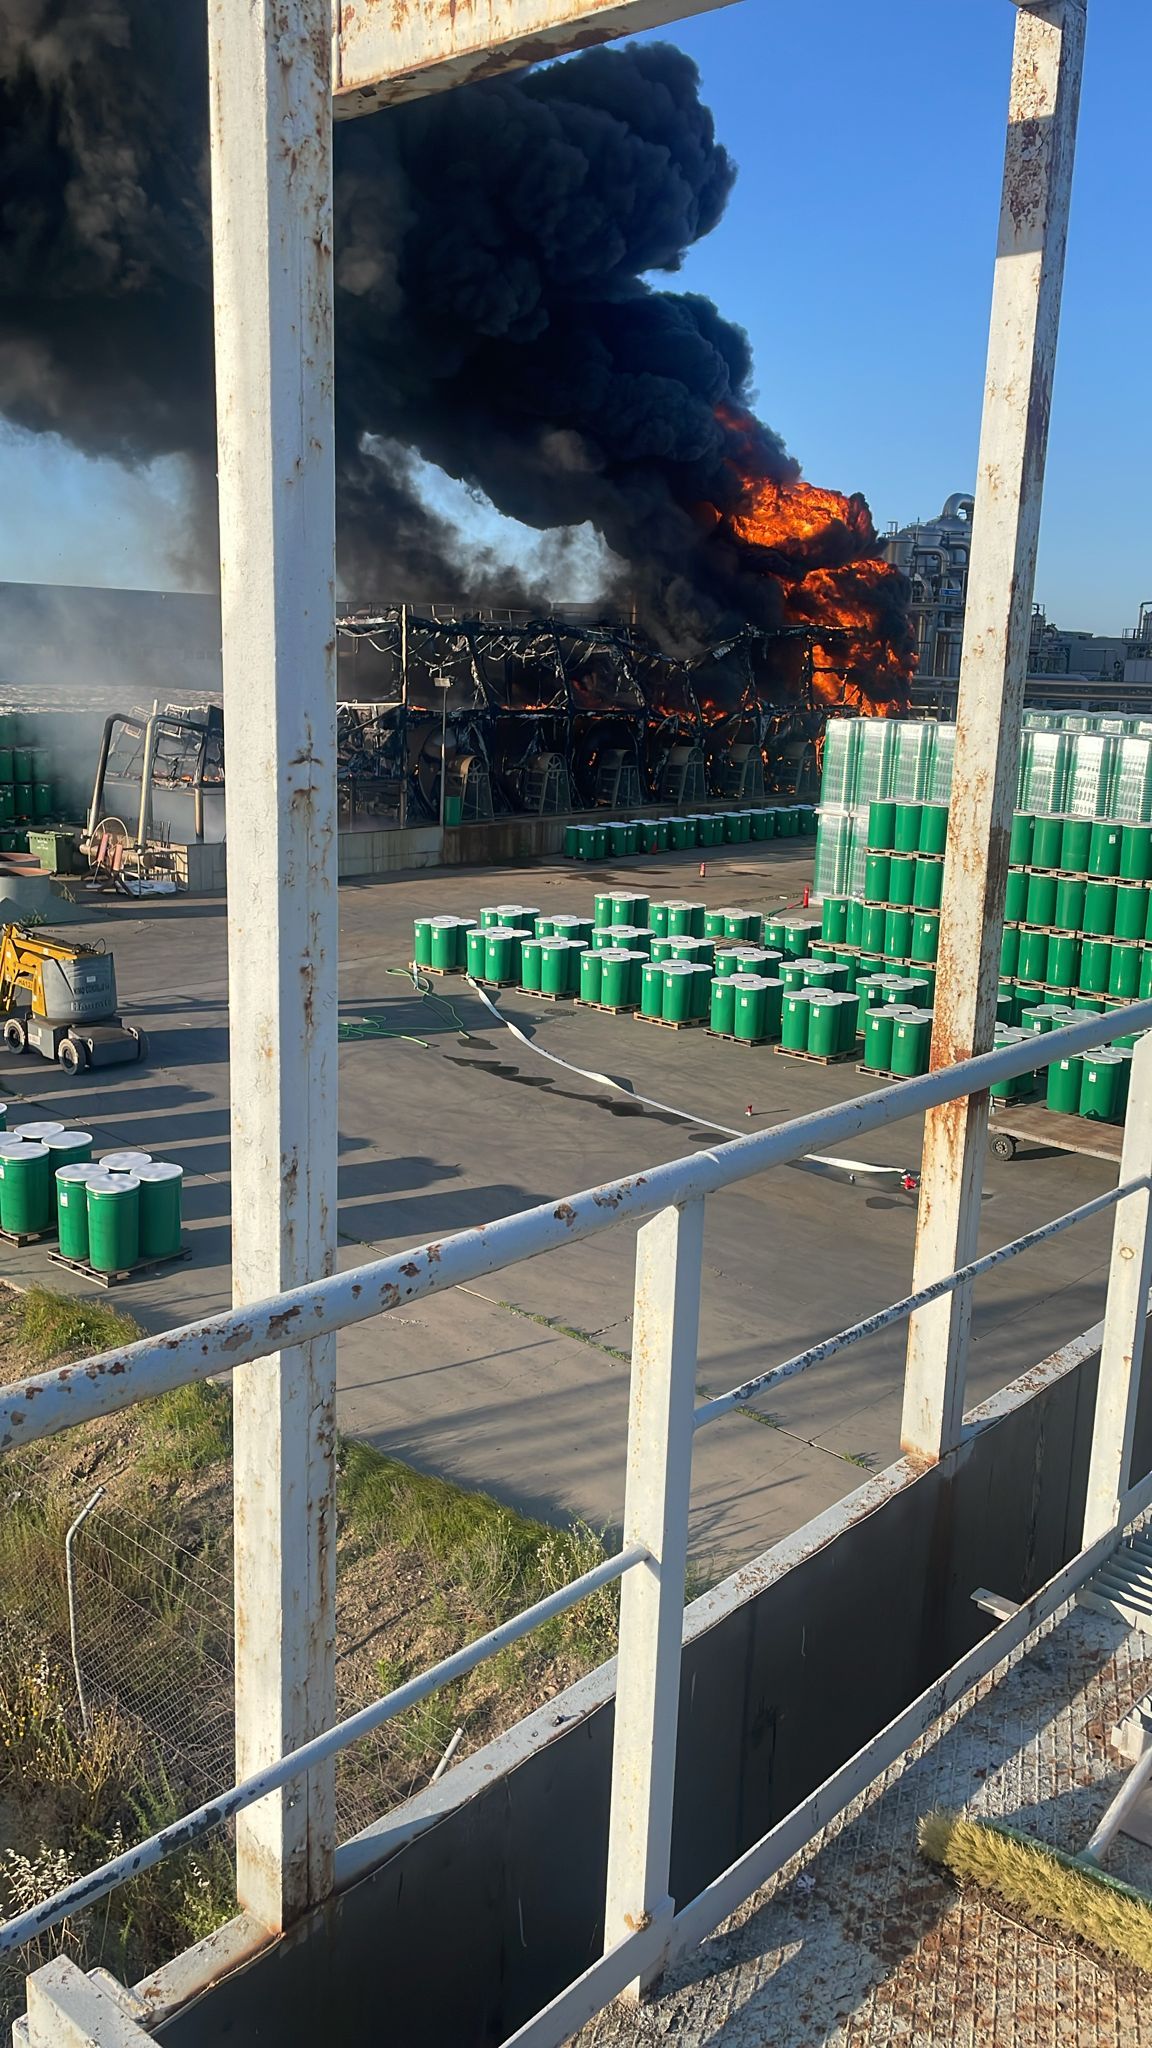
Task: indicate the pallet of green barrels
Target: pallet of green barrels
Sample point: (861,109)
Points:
(616,840)
(1092,1085)
(111,1218)
(1078,910)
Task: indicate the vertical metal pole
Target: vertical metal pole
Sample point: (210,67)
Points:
(1122,1349)
(70,1585)
(1045,90)
(665,1328)
(403,716)
(443,755)
(272,259)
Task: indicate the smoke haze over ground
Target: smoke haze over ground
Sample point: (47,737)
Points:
(493,313)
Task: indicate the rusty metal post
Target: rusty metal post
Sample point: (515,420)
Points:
(665,1327)
(272,266)
(1045,91)
(1126,1314)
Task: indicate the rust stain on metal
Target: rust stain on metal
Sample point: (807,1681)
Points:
(389,1294)
(565,1214)
(432,1254)
(279,1324)
(411,1268)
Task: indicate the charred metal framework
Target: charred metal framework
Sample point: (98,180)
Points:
(568,712)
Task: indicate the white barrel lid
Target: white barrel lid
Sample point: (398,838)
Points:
(748,981)
(733,910)
(112,1183)
(123,1162)
(506,931)
(675,966)
(24,1148)
(553,941)
(76,1171)
(160,1169)
(616,953)
(35,1131)
(11,1146)
(61,1138)
(442,920)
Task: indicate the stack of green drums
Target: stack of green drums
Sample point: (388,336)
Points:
(747,1007)
(442,943)
(675,991)
(502,945)
(831,1023)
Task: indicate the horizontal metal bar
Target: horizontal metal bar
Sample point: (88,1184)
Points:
(899,1311)
(215,1811)
(1118,1810)
(57,1400)
(595,1988)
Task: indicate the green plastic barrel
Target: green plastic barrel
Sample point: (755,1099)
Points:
(1037,1019)
(868,995)
(1016,895)
(1009,950)
(878,1027)
(875,920)
(933,828)
(926,936)
(1087,1005)
(113,1221)
(422,941)
(544,927)
(448,945)
(1041,907)
(1021,1086)
(571,841)
(748,924)
(72,1210)
(651,988)
(7,765)
(69,1148)
(1047,837)
(929,884)
(476,947)
(1146,972)
(737,828)
(567,927)
(599,842)
(602,909)
(1069,915)
(877,876)
(902,879)
(603,936)
(1136,853)
(1033,958)
(123,1162)
(1105,847)
(1064,959)
(1020,843)
(695,950)
(834,919)
(590,976)
(1124,970)
(489,916)
(906,838)
(794,1020)
(794,973)
(1005,1006)
(855,921)
(1095,966)
(658,919)
(43,799)
(897,934)
(585,842)
(764,824)
(1131,910)
(7,805)
(1099,909)
(23,792)
(799,935)
(685,920)
(728,960)
(161,1186)
(713,924)
(532,964)
(882,826)
(911,1042)
(653,835)
(662,949)
(21,764)
(623,839)
(1075,845)
(683,834)
(619,975)
(774,1003)
(1100,1086)
(750,1008)
(502,953)
(1064,1082)
(628,908)
(722,1005)
(776,934)
(829,975)
(679,994)
(27,1197)
(823,1023)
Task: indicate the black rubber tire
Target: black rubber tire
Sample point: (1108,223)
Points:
(71,1056)
(1001,1146)
(141,1041)
(15,1036)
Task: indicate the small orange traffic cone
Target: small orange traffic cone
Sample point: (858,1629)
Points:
(703,869)
(805,895)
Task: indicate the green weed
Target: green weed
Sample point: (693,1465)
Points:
(51,1325)
(186,1430)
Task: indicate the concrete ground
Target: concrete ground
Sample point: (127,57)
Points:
(440,1135)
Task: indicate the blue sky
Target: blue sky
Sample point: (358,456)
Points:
(857,250)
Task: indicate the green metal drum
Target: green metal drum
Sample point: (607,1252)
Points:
(1099,909)
(1075,845)
(911,1042)
(897,934)
(1146,972)
(737,828)
(929,884)
(764,824)
(875,923)
(1020,843)
(1070,892)
(934,828)
(7,805)
(1064,960)
(7,765)
(27,1197)
(43,799)
(685,920)
(448,941)
(1047,838)
(1041,907)
(37,1133)
(823,1023)
(1131,910)
(653,835)
(878,1028)
(651,986)
(748,924)
(532,964)
(882,826)
(1064,1082)
(72,1211)
(24,800)
(1095,966)
(1087,1005)
(1021,1086)
(628,908)
(489,916)
(679,994)
(658,919)
(1105,848)
(1009,950)
(161,1185)
(1016,896)
(682,834)
(799,935)
(113,1221)
(544,927)
(602,909)
(902,879)
(590,976)
(662,949)
(773,1005)
(751,1008)
(619,979)
(568,927)
(907,834)
(868,996)
(1124,970)
(623,839)
(829,975)
(834,919)
(794,973)
(1005,1006)
(695,950)
(713,924)
(722,1005)
(1100,1083)
(571,841)
(855,921)
(1136,853)
(794,1020)
(502,952)
(476,945)
(877,876)
(926,936)
(22,764)
(69,1148)
(1038,1019)
(422,941)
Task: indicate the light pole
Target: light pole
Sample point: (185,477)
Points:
(443,684)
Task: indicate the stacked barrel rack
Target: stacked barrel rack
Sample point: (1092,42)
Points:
(621,839)
(28,789)
(112,1218)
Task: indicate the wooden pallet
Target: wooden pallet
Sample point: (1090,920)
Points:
(482,983)
(442,973)
(881,1073)
(673,1023)
(730,1038)
(606,1009)
(23,1237)
(118,1279)
(817,1059)
(545,995)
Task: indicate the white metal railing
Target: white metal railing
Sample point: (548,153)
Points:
(669,1201)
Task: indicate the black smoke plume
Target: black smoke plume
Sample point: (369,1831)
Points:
(493,247)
